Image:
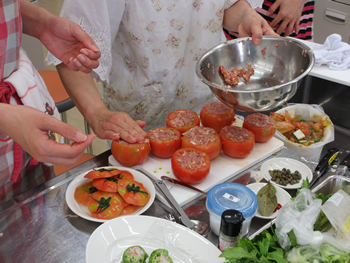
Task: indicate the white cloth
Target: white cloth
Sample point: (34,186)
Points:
(334,53)
(149,51)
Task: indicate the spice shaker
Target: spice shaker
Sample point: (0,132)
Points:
(230,228)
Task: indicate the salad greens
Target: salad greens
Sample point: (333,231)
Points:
(265,247)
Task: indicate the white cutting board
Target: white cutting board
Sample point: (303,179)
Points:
(222,168)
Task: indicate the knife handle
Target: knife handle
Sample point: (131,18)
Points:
(326,160)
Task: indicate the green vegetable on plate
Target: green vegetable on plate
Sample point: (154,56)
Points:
(160,256)
(135,254)
(267,199)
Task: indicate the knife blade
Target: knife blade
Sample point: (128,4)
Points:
(324,163)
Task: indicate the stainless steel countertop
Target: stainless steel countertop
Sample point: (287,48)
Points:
(38,226)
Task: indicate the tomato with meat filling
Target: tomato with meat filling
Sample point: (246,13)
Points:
(104,205)
(237,142)
(83,192)
(216,115)
(164,141)
(204,139)
(133,192)
(261,125)
(130,154)
(182,120)
(190,166)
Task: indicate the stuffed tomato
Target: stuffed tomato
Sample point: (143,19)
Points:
(236,141)
(190,165)
(216,115)
(182,120)
(204,139)
(164,141)
(261,125)
(130,154)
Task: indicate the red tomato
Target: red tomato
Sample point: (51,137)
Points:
(106,184)
(129,209)
(190,165)
(216,115)
(83,192)
(130,154)
(204,139)
(133,192)
(236,141)
(102,173)
(125,175)
(164,141)
(104,205)
(261,125)
(182,120)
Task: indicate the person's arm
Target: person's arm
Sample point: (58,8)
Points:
(289,13)
(29,128)
(63,38)
(244,19)
(105,123)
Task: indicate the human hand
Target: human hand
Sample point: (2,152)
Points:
(69,43)
(29,128)
(254,25)
(115,125)
(289,13)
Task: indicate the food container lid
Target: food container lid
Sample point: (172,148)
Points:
(232,196)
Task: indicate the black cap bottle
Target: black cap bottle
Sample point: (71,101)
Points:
(230,228)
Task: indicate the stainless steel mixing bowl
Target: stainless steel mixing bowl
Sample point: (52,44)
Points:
(279,64)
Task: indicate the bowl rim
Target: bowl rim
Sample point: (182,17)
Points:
(237,40)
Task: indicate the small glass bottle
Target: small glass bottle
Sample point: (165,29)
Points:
(230,227)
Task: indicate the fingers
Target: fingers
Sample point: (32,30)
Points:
(273,8)
(275,22)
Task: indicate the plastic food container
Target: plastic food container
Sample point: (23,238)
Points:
(231,196)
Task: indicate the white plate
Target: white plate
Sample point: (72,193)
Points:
(291,164)
(109,241)
(83,211)
(282,198)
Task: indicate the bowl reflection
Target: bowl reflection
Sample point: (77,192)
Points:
(279,65)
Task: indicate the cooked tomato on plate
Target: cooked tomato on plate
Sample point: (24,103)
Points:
(204,139)
(83,192)
(102,173)
(164,141)
(216,115)
(261,125)
(190,165)
(182,120)
(130,154)
(104,205)
(133,192)
(237,142)
(106,184)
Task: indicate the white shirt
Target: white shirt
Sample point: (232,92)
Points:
(149,51)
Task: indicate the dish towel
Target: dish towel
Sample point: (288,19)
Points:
(333,53)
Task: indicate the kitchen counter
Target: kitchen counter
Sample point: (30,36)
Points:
(38,226)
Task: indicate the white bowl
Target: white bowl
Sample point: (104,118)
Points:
(83,211)
(291,164)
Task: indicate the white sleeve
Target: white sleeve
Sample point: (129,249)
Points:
(101,20)
(253,3)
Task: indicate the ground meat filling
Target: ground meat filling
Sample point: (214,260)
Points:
(236,134)
(121,141)
(231,78)
(191,160)
(259,120)
(200,135)
(163,135)
(217,108)
(183,119)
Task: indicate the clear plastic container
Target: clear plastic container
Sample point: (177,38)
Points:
(231,196)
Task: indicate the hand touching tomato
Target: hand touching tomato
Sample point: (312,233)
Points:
(133,192)
(130,154)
